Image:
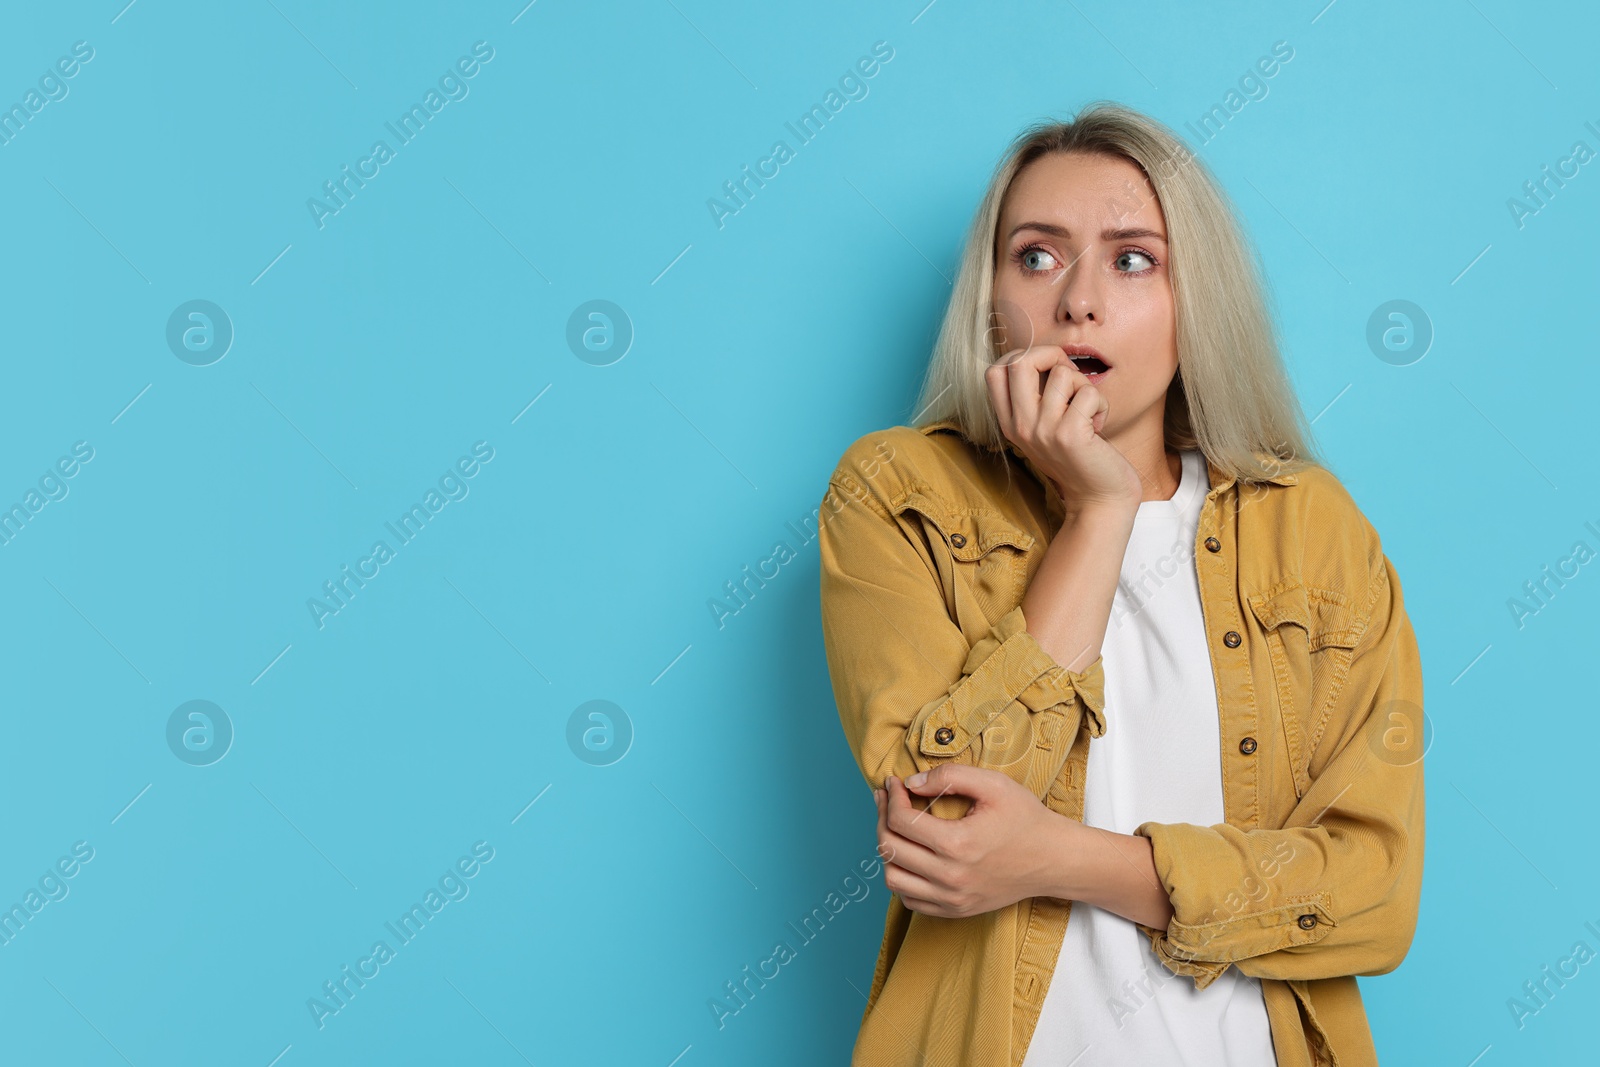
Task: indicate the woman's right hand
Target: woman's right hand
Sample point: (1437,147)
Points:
(1053,414)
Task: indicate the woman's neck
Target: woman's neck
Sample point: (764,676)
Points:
(1160,468)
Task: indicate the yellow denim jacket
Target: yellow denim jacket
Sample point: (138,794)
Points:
(1313,878)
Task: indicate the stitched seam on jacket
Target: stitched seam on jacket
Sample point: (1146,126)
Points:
(1292,936)
(948,511)
(860,496)
(1250,813)
(1379,582)
(1012,652)
(1318,1038)
(1288,716)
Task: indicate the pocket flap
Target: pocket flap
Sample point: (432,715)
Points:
(1287,604)
(971,533)
(1327,617)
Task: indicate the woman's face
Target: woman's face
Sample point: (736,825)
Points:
(1081,258)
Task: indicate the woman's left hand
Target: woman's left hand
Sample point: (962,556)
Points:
(1007,847)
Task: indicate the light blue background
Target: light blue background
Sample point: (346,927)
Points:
(433,309)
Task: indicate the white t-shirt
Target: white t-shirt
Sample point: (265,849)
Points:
(1110,1000)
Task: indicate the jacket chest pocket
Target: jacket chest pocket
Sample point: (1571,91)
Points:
(1311,635)
(981,557)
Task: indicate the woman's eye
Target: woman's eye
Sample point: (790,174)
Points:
(1036,259)
(1123,259)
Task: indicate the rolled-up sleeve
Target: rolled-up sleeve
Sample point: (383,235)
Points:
(911,691)
(1336,890)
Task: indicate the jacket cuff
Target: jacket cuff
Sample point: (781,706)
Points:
(1203,972)
(1008,665)
(1213,921)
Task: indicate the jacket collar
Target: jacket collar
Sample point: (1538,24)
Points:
(1053,505)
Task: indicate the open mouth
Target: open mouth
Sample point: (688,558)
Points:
(1090,365)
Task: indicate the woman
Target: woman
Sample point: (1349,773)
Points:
(1157,679)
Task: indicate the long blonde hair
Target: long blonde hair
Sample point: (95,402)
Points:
(1231,396)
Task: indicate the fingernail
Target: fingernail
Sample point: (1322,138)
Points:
(877,796)
(918,778)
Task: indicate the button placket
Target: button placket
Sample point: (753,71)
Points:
(1237,791)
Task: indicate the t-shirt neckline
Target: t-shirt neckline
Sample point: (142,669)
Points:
(1188,482)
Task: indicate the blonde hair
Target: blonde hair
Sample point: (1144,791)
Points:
(1231,397)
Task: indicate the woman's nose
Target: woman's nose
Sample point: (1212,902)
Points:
(1080,293)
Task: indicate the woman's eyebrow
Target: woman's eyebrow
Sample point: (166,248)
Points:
(1124,234)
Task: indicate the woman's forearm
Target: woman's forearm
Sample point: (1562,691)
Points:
(1067,607)
(1113,871)
(1068,601)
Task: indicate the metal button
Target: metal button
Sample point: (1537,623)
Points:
(944,735)
(1231,639)
(1307,921)
(1247,746)
(1213,545)
(959,540)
